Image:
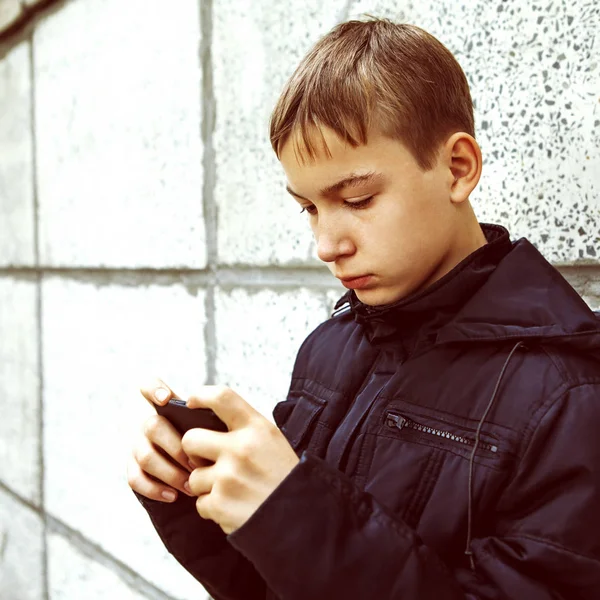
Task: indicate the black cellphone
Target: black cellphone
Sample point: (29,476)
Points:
(184,418)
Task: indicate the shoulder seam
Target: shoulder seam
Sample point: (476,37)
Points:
(541,412)
(558,364)
(549,543)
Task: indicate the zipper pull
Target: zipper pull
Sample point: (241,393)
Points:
(393,420)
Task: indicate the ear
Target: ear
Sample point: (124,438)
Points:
(464,161)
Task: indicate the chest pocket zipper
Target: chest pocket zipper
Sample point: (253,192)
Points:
(401,422)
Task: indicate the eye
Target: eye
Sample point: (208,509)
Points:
(311,210)
(359,204)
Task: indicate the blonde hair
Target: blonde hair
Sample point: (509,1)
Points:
(375,75)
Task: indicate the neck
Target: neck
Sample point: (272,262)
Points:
(468,238)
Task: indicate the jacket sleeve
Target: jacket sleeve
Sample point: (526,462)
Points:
(202,549)
(318,536)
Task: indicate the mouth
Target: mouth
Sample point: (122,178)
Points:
(356,283)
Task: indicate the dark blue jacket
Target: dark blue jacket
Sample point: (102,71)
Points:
(449,444)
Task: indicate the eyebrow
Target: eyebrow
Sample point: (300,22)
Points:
(352,180)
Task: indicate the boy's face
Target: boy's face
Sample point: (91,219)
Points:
(402,239)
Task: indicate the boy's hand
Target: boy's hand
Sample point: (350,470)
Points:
(149,471)
(250,460)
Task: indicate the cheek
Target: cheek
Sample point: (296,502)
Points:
(406,240)
(416,220)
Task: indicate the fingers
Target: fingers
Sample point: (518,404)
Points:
(204,444)
(157,392)
(151,462)
(162,433)
(201,480)
(231,408)
(146,486)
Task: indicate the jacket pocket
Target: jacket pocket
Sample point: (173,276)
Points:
(445,436)
(296,418)
(282,411)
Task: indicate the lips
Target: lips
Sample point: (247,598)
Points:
(356,283)
(348,279)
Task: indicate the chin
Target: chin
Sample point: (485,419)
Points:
(376,297)
(380,295)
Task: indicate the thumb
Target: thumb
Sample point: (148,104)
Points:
(157,392)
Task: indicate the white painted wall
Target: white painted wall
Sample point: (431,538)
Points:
(145,230)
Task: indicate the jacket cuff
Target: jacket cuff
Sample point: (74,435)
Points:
(183,532)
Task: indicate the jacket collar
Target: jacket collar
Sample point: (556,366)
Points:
(526,298)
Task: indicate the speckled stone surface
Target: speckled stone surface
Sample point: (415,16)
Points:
(100,345)
(256,48)
(534,70)
(21,558)
(258,337)
(19,389)
(16,153)
(118,113)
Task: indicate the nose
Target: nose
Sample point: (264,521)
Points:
(333,242)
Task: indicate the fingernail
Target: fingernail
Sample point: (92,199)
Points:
(186,487)
(161,394)
(169,495)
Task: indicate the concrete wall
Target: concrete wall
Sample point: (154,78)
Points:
(144,230)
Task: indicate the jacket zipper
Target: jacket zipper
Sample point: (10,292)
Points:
(401,422)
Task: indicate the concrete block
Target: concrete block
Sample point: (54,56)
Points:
(594,286)
(258,337)
(579,278)
(256,48)
(9,11)
(118,113)
(19,388)
(593,302)
(21,551)
(16,159)
(101,343)
(72,575)
(592,292)
(533,70)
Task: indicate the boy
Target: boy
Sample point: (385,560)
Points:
(440,437)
